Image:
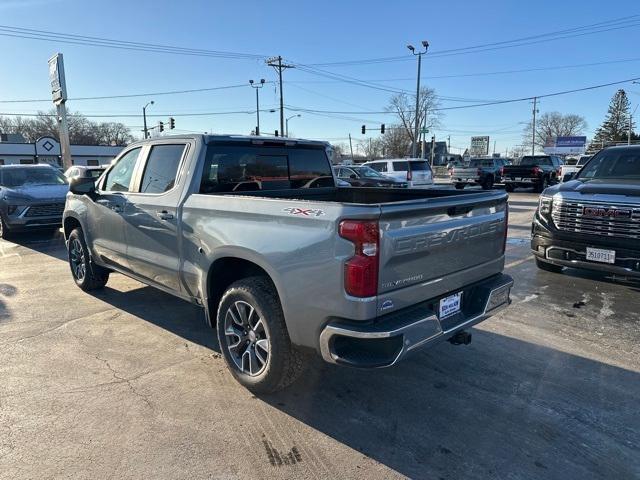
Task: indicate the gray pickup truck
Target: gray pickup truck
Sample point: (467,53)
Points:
(254,230)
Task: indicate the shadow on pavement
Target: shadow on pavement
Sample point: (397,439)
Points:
(50,242)
(166,311)
(500,408)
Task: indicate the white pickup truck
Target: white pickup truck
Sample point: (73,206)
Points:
(573,165)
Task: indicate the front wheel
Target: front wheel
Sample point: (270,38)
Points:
(488,183)
(253,337)
(86,274)
(542,185)
(509,187)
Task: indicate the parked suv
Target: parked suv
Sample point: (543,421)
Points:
(31,197)
(593,221)
(363,176)
(416,172)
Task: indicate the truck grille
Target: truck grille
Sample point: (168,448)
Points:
(45,210)
(569,216)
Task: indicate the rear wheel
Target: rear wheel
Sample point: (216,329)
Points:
(548,267)
(509,187)
(86,274)
(488,183)
(253,337)
(459,186)
(542,185)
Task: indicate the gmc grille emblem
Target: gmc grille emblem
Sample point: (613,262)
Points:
(606,212)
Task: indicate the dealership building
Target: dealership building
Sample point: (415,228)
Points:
(15,151)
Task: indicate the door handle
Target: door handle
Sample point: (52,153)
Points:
(164,215)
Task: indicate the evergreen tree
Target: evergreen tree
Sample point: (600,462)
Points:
(615,127)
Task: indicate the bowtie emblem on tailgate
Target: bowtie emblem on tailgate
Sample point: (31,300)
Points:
(304,212)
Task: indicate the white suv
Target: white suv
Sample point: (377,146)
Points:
(415,171)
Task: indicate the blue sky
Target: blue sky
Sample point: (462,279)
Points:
(318,32)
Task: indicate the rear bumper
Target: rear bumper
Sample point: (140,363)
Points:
(387,339)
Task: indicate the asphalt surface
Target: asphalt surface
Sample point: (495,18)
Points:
(129,383)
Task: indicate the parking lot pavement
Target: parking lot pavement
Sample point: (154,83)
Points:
(129,383)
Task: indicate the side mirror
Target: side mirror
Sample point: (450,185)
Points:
(82,185)
(567,177)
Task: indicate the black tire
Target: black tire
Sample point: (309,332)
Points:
(4,230)
(548,267)
(540,187)
(509,187)
(284,362)
(86,274)
(488,183)
(460,186)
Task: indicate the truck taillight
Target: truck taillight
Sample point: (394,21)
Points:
(501,171)
(409,175)
(536,171)
(361,270)
(506,227)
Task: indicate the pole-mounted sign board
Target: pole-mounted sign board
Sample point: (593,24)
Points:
(479,146)
(56,76)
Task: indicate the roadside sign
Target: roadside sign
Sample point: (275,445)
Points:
(566,145)
(479,146)
(56,77)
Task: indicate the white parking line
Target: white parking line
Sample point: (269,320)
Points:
(518,262)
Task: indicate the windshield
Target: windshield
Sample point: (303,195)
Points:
(368,172)
(419,166)
(530,161)
(20,177)
(613,163)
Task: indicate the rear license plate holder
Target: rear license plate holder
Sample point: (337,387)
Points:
(450,305)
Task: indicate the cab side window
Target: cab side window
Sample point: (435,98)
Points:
(161,169)
(119,178)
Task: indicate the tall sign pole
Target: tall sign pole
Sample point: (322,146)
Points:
(59,96)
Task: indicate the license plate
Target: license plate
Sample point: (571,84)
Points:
(450,305)
(601,255)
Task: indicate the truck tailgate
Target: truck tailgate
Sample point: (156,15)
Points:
(465,172)
(424,242)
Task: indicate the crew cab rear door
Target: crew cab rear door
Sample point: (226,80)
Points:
(151,216)
(425,241)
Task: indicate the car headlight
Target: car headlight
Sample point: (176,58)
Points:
(544,205)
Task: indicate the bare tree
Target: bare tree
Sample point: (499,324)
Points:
(371,148)
(396,142)
(82,131)
(551,125)
(403,106)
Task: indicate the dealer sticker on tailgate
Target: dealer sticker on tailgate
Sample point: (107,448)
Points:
(450,305)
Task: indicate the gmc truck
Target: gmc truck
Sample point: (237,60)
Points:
(284,263)
(592,221)
(537,171)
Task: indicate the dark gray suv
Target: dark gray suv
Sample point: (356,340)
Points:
(31,197)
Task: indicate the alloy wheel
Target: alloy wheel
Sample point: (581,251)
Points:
(76,259)
(247,338)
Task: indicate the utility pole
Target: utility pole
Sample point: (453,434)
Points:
(276,62)
(425,44)
(351,147)
(257,86)
(631,125)
(370,150)
(433,149)
(449,142)
(494,147)
(533,133)
(144,119)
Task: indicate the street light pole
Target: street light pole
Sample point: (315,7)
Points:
(287,123)
(144,119)
(533,130)
(425,44)
(257,86)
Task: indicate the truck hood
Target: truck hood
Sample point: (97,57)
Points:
(37,192)
(630,188)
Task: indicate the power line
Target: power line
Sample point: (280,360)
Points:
(600,27)
(46,35)
(133,95)
(128,115)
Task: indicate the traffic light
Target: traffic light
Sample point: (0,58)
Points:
(276,133)
(382,128)
(364,129)
(172,123)
(161,126)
